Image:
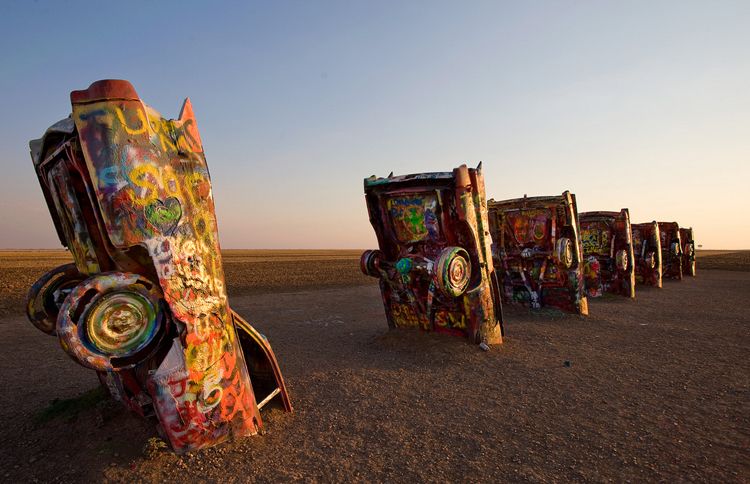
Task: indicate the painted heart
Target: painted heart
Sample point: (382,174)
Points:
(164,215)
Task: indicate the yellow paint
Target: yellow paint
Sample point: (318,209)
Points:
(132,131)
(145,176)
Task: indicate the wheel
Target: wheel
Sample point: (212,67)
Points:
(369,263)
(621,260)
(453,271)
(112,321)
(650,260)
(675,249)
(47,295)
(689,251)
(564,252)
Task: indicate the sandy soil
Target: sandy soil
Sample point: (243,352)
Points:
(657,389)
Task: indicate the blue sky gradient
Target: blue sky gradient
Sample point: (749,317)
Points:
(627,104)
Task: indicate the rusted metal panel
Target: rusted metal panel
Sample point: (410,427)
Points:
(607,242)
(671,250)
(538,251)
(647,252)
(146,304)
(434,261)
(688,250)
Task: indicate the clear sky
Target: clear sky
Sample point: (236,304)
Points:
(632,104)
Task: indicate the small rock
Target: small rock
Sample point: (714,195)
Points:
(567,364)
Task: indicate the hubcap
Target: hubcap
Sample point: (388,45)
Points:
(121,323)
(621,260)
(458,272)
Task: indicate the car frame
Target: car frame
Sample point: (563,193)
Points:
(144,304)
(434,262)
(607,242)
(671,250)
(687,237)
(647,253)
(537,246)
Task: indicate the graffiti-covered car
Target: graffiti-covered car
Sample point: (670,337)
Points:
(647,252)
(537,248)
(145,303)
(434,262)
(671,250)
(688,250)
(608,253)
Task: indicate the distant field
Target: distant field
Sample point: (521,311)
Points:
(728,260)
(258,271)
(246,271)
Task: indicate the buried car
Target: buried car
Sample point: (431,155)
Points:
(647,253)
(434,261)
(145,304)
(671,250)
(537,246)
(608,253)
(688,251)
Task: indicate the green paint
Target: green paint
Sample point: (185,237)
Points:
(164,215)
(416,220)
(404,265)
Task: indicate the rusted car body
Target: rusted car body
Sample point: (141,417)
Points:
(607,243)
(537,246)
(145,303)
(671,250)
(688,251)
(647,252)
(434,261)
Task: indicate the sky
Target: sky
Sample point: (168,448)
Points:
(638,104)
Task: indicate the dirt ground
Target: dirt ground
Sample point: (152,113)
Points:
(657,389)
(731,260)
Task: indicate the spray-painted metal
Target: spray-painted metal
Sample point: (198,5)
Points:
(688,251)
(671,250)
(145,303)
(608,253)
(647,252)
(538,248)
(434,259)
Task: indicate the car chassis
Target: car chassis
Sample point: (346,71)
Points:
(648,254)
(145,304)
(537,245)
(434,262)
(608,252)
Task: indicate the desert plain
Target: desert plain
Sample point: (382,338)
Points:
(656,389)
